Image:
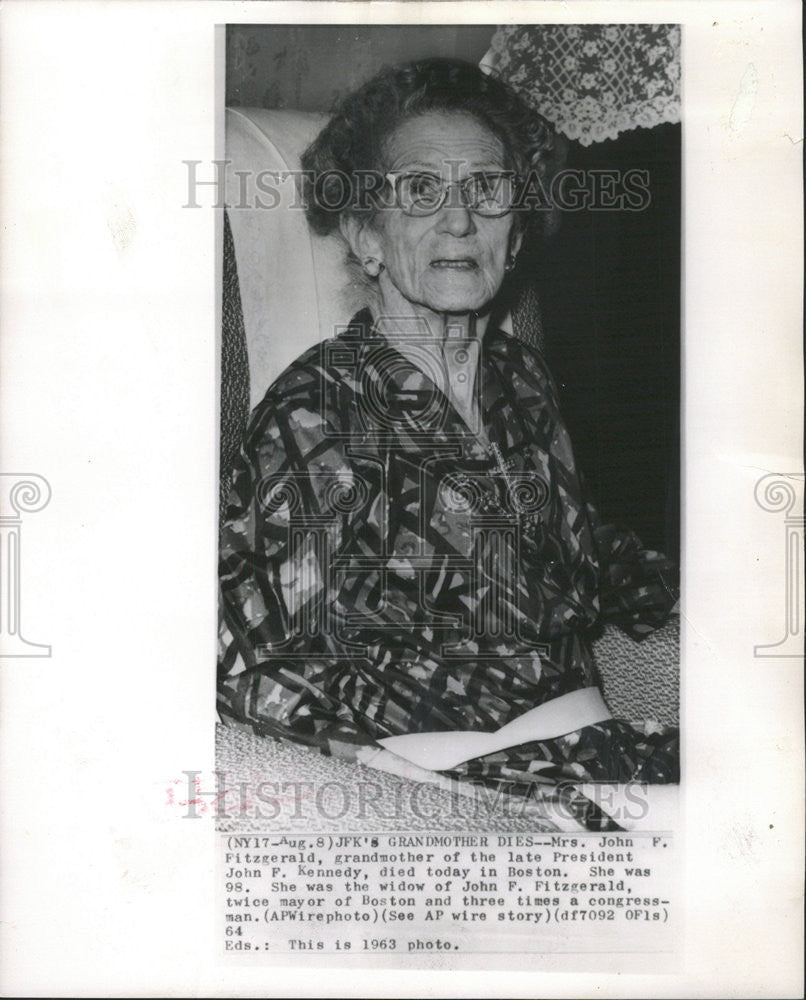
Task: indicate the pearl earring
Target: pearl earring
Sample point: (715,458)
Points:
(510,264)
(372,266)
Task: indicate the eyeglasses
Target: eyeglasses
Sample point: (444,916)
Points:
(488,193)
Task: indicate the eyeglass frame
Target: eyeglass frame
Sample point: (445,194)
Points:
(394,176)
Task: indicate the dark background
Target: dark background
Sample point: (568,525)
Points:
(609,282)
(610,295)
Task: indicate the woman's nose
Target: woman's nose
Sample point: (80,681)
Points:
(456,219)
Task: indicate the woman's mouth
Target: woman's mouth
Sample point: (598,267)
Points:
(455,263)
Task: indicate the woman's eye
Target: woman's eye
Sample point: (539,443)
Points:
(487,186)
(425,187)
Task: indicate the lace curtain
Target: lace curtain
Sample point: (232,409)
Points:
(593,82)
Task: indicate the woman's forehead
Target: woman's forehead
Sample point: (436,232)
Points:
(440,139)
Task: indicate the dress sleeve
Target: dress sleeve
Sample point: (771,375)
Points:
(638,588)
(279,669)
(253,548)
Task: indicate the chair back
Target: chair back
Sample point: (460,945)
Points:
(296,287)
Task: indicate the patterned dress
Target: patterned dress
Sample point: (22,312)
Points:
(387,569)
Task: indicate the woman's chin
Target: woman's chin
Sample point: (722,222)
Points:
(457,296)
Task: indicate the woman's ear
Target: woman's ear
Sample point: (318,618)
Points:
(362,238)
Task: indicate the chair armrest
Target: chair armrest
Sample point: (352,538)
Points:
(641,680)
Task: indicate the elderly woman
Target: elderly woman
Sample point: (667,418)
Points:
(408,557)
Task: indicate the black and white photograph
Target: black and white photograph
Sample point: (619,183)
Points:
(418,577)
(403,422)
